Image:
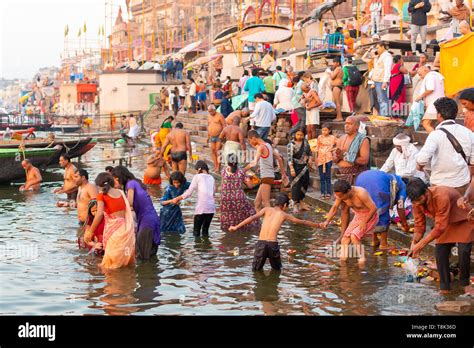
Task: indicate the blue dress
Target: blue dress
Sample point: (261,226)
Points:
(171,218)
(385,190)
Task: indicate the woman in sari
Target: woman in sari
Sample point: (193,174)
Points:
(397,86)
(235,207)
(119,231)
(171,218)
(299,154)
(148,223)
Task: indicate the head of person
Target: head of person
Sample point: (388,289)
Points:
(423,70)
(201,167)
(459,3)
(26,164)
(226,94)
(278,68)
(236,121)
(336,62)
(299,134)
(245,112)
(81,176)
(282,201)
(351,126)
(283,83)
(105,181)
(246,73)
(92,209)
(255,72)
(446,108)
(381,47)
(254,137)
(397,59)
(259,97)
(400,141)
(307,77)
(289,68)
(124,118)
(179,125)
(109,169)
(295,80)
(326,129)
(122,176)
(416,190)
(347,35)
(232,162)
(464,28)
(192,80)
(64,161)
(466,98)
(305,87)
(341,189)
(177,179)
(339,30)
(423,59)
(131,115)
(211,109)
(349,61)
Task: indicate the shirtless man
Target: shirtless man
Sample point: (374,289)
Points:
(273,218)
(69,187)
(244,120)
(216,124)
(351,161)
(264,159)
(337,86)
(180,143)
(33,177)
(86,193)
(233,136)
(154,164)
(364,221)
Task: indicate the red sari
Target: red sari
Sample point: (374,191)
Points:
(397,89)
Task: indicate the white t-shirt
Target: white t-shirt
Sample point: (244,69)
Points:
(433,81)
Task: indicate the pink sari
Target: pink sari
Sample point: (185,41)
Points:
(397,88)
(119,239)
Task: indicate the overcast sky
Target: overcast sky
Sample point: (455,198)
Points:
(32,31)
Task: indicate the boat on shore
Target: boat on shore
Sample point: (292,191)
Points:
(72,147)
(10,161)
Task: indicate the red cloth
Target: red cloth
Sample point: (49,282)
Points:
(111,205)
(149,181)
(397,79)
(294,117)
(352,92)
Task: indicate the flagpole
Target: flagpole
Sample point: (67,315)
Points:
(128,35)
(358,19)
(143,30)
(400,9)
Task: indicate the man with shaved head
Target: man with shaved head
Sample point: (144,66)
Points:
(216,124)
(432,88)
(352,152)
(233,136)
(33,176)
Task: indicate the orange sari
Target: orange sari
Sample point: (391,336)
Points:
(119,239)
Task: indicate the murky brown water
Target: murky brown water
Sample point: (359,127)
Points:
(42,272)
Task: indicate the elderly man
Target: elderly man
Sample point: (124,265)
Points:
(432,88)
(403,158)
(459,12)
(33,177)
(352,152)
(216,124)
(451,228)
(449,149)
(233,136)
(263,116)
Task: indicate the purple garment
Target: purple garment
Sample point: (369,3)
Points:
(146,213)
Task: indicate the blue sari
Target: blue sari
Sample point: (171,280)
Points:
(171,218)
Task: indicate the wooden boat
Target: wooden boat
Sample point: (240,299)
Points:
(65,128)
(72,147)
(10,161)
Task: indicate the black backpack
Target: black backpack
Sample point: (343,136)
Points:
(355,77)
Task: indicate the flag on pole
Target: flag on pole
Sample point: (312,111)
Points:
(99,31)
(66,30)
(85,28)
(103,30)
(79,33)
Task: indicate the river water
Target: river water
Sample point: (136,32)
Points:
(42,272)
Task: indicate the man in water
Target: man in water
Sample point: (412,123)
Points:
(352,151)
(233,136)
(86,193)
(216,124)
(180,143)
(33,177)
(337,87)
(273,218)
(69,187)
(364,221)
(134,129)
(154,164)
(264,159)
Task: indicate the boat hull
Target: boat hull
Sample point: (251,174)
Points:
(10,161)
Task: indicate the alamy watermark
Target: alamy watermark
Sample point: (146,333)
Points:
(25,252)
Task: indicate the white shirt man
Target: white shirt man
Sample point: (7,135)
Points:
(192,89)
(433,81)
(382,70)
(263,115)
(403,158)
(448,168)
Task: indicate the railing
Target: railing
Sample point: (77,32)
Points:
(332,43)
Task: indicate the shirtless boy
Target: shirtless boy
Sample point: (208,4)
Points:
(180,143)
(273,218)
(365,216)
(86,193)
(233,136)
(69,187)
(154,164)
(33,177)
(337,86)
(216,124)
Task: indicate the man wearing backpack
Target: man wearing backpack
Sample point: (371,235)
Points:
(352,79)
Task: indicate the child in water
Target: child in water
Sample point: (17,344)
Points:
(92,240)
(171,217)
(273,218)
(204,183)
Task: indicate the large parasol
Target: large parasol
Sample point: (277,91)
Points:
(264,33)
(204,60)
(191,47)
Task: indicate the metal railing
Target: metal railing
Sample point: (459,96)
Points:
(332,43)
